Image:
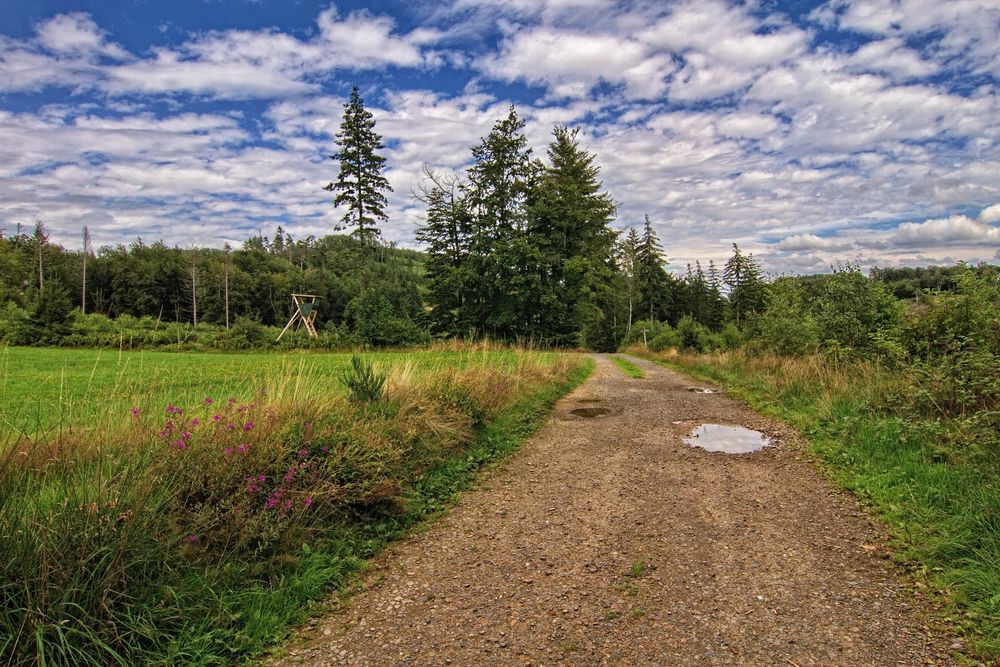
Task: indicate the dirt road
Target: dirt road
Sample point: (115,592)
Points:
(607,540)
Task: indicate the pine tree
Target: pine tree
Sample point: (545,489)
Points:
(628,262)
(360,185)
(500,300)
(654,283)
(569,219)
(446,233)
(742,274)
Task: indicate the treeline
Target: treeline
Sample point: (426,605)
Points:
(230,298)
(518,248)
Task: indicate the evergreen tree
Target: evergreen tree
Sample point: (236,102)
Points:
(446,234)
(569,225)
(654,283)
(628,263)
(502,300)
(743,276)
(360,184)
(716,311)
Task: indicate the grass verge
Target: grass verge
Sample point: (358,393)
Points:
(627,367)
(202,534)
(941,507)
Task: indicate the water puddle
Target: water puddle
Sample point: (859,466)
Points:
(590,413)
(700,390)
(727,439)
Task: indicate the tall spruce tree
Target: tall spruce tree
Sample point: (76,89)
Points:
(628,263)
(360,185)
(569,219)
(503,298)
(654,283)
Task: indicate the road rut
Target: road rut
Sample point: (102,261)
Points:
(608,541)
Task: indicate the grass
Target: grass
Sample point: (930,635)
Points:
(630,369)
(200,531)
(941,506)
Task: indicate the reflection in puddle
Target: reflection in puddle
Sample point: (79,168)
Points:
(727,439)
(701,390)
(590,412)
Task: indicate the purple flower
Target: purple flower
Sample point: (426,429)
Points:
(325,449)
(216,418)
(242,449)
(174,410)
(195,421)
(261,478)
(271,502)
(248,426)
(208,400)
(190,538)
(228,451)
(230,426)
(135,412)
(231,401)
(180,444)
(308,501)
(288,504)
(303,453)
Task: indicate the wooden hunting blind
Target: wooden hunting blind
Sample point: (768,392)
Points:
(305,313)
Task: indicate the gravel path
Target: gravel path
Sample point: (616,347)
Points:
(607,540)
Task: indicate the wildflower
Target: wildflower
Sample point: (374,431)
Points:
(261,478)
(230,426)
(288,504)
(135,412)
(325,449)
(289,478)
(180,444)
(216,418)
(174,410)
(242,449)
(303,453)
(271,502)
(231,401)
(228,451)
(308,501)
(190,538)
(195,421)
(208,400)
(185,436)
(248,426)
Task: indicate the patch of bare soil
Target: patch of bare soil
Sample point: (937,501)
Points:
(607,540)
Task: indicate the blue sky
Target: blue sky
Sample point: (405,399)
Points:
(809,132)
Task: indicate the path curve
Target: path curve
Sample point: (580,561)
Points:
(608,541)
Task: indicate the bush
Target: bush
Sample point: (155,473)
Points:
(853,308)
(788,325)
(365,384)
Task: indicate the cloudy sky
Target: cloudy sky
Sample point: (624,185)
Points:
(808,132)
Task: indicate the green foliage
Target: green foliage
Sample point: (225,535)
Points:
(788,325)
(360,184)
(365,384)
(747,295)
(694,336)
(853,308)
(630,369)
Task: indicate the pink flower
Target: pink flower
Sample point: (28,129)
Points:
(308,501)
(190,538)
(231,401)
(208,400)
(248,426)
(135,412)
(271,502)
(303,453)
(228,451)
(216,418)
(180,444)
(195,421)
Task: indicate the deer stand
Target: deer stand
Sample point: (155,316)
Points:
(305,313)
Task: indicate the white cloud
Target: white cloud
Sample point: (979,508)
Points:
(76,33)
(956,229)
(801,242)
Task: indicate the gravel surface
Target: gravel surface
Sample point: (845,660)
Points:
(607,540)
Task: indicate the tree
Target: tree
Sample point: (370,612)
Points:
(447,235)
(569,218)
(628,261)
(654,283)
(360,185)
(84,254)
(743,276)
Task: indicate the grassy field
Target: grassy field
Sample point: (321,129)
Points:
(41,388)
(941,503)
(160,508)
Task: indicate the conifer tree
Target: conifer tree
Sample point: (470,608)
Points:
(360,185)
(654,283)
(742,274)
(569,224)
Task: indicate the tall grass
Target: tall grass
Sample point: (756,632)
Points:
(166,531)
(940,497)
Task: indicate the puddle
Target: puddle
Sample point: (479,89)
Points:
(589,400)
(590,413)
(727,439)
(700,390)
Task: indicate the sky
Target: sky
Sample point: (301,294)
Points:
(809,132)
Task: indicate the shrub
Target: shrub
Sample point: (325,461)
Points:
(365,384)
(788,325)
